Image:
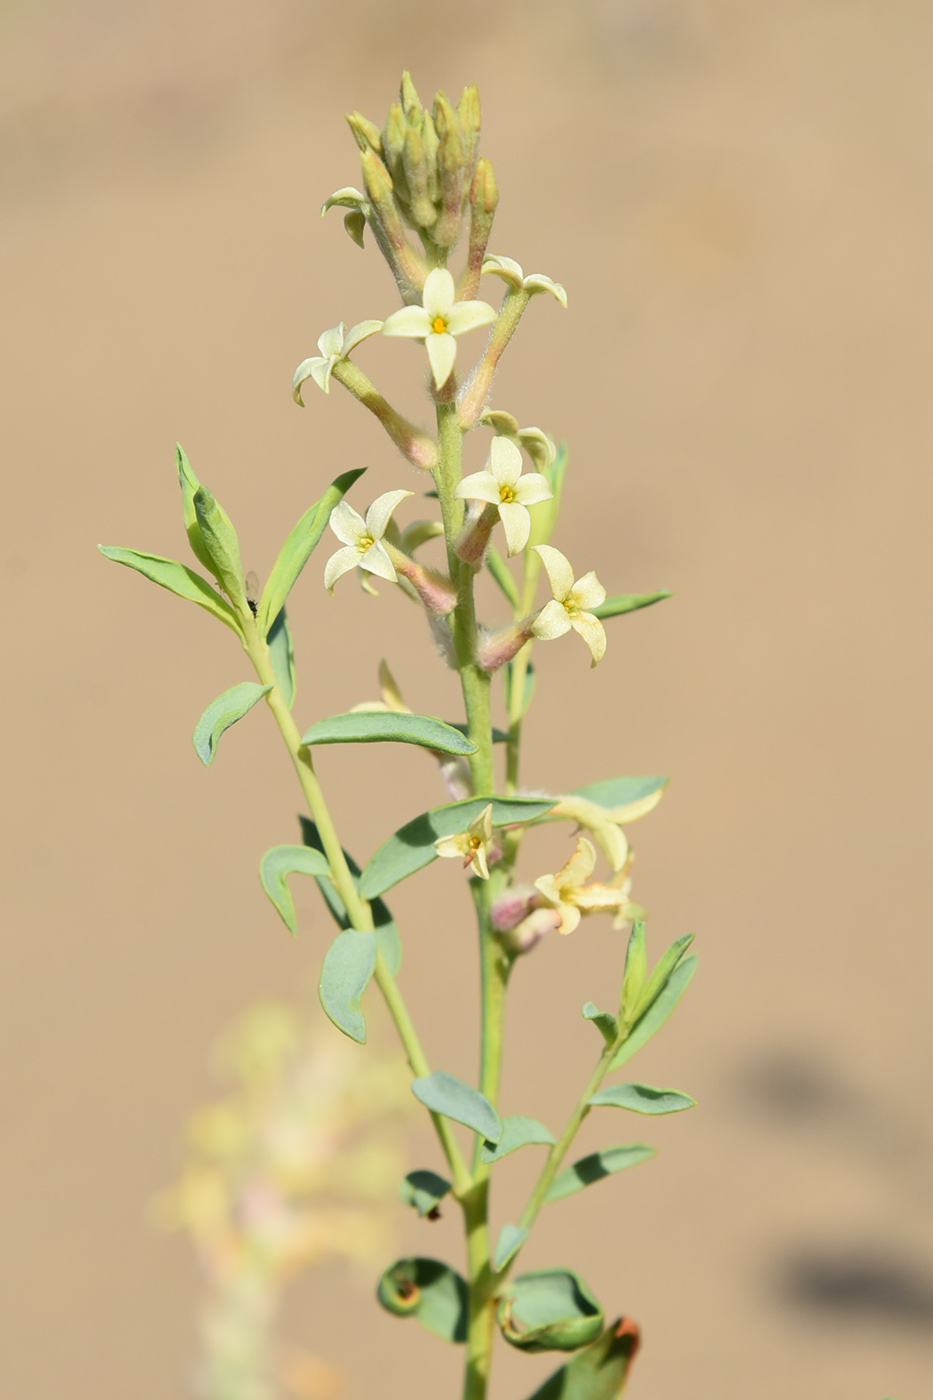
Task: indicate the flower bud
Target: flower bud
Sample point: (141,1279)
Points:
(468,113)
(474,537)
(414,164)
(365,132)
(523,937)
(411,102)
(496,648)
(513,905)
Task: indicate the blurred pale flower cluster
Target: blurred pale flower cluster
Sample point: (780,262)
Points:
(294,1166)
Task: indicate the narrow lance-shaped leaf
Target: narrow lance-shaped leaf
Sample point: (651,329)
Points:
(446,1094)
(517,1131)
(221,713)
(596,1167)
(280,862)
(189,485)
(511,1238)
(529,687)
(282,656)
(388,726)
(348,967)
(657,1013)
(412,846)
(662,970)
(177,578)
(629,602)
(222,545)
(502,575)
(633,979)
(297,549)
(604,1021)
(641,1098)
(386,930)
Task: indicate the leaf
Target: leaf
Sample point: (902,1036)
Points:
(282,656)
(412,846)
(177,578)
(605,1022)
(529,690)
(633,978)
(662,970)
(596,1166)
(511,1238)
(222,546)
(641,1098)
(297,549)
(657,1013)
(282,861)
(381,726)
(189,484)
(445,1093)
(517,1131)
(430,1291)
(622,792)
(599,1371)
(423,1190)
(348,966)
(221,713)
(502,575)
(549,1310)
(387,934)
(629,602)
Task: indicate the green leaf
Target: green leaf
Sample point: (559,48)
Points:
(529,690)
(282,861)
(387,934)
(604,1021)
(221,713)
(424,1190)
(621,792)
(502,575)
(381,726)
(596,1166)
(445,1093)
(348,966)
(297,549)
(544,513)
(222,546)
(661,973)
(189,484)
(633,979)
(282,656)
(517,1131)
(549,1310)
(641,1098)
(629,602)
(598,1372)
(177,578)
(412,846)
(657,1013)
(511,1238)
(430,1291)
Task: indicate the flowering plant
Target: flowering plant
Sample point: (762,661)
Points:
(422,176)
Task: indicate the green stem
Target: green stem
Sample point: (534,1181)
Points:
(358,909)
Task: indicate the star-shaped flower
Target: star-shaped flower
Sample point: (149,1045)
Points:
(334,345)
(571,897)
(568,607)
(362,539)
(503,485)
(510,271)
(438,320)
(471,846)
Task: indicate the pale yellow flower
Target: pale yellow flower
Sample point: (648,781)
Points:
(438,320)
(504,486)
(511,272)
(471,846)
(334,345)
(568,893)
(362,539)
(568,608)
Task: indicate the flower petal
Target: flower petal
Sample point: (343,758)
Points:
(499,421)
(481,826)
(442,351)
(537,282)
(321,372)
(539,446)
(357,333)
(569,918)
(377,517)
(532,488)
(588,592)
(593,633)
(376,561)
(479,486)
(579,867)
(552,621)
(347,524)
(331,341)
(453,845)
(517,525)
(479,864)
(507,268)
(505,461)
(596,896)
(411,321)
(302,373)
(438,295)
(339,564)
(558,570)
(467,315)
(547,885)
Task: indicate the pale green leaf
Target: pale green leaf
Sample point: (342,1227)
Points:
(641,1098)
(348,967)
(511,1238)
(387,934)
(222,546)
(604,1021)
(423,1190)
(297,549)
(221,713)
(189,484)
(657,1013)
(621,792)
(597,1166)
(430,1291)
(597,1372)
(282,656)
(502,575)
(177,578)
(445,1093)
(628,602)
(280,862)
(388,726)
(517,1131)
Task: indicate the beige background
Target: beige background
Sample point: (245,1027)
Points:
(738,198)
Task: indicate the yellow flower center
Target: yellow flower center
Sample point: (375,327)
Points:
(365,542)
(506,494)
(438,325)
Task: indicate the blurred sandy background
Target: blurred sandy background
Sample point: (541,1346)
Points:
(739,198)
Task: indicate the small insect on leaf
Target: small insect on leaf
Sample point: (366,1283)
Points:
(252,591)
